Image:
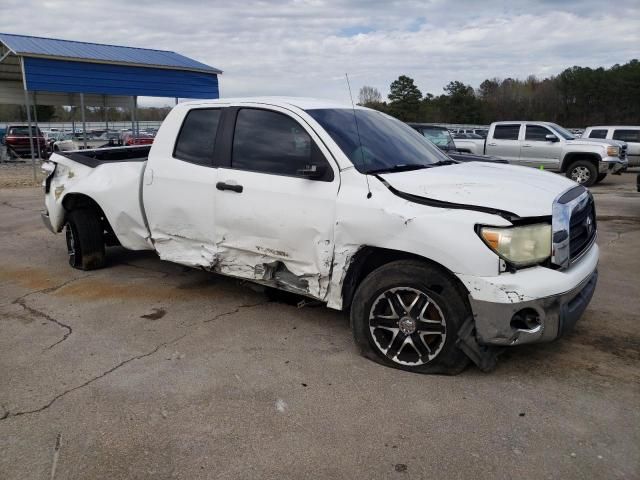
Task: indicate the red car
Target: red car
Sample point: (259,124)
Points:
(17,141)
(130,140)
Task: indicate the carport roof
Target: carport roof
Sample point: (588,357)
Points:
(27,46)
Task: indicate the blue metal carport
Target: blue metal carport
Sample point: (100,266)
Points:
(64,72)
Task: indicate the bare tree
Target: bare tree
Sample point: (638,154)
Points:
(369,95)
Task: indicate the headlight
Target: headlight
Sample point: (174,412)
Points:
(522,246)
(613,151)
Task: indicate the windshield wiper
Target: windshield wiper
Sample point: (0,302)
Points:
(441,163)
(399,168)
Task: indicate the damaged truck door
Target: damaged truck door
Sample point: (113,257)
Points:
(178,193)
(437,262)
(275,202)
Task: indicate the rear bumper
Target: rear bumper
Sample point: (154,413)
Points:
(47,221)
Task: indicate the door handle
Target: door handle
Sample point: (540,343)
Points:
(526,145)
(492,144)
(229,186)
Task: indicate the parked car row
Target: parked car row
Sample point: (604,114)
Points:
(549,146)
(18,145)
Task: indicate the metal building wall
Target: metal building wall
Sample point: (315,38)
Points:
(107,79)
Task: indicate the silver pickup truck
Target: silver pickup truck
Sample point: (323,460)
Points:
(549,146)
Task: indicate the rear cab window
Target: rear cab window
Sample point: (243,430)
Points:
(627,135)
(598,133)
(506,132)
(197,137)
(270,142)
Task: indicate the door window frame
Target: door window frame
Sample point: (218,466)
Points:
(549,132)
(211,162)
(227,126)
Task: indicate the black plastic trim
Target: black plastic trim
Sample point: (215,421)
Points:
(512,217)
(95,158)
(571,194)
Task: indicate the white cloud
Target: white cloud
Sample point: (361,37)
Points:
(304,47)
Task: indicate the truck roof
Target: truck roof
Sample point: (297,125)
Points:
(300,102)
(629,127)
(511,122)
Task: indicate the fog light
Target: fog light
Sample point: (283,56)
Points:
(526,319)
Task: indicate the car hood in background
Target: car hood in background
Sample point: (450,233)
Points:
(596,141)
(525,191)
(472,157)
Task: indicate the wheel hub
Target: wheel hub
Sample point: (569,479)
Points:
(407,325)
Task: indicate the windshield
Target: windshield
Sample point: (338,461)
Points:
(563,132)
(440,136)
(384,142)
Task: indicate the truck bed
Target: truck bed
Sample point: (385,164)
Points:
(98,156)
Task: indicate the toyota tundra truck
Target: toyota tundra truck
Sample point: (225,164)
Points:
(436,262)
(548,146)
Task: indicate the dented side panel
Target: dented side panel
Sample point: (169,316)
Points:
(445,236)
(113,186)
(279,230)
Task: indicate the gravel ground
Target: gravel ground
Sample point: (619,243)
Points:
(19,175)
(150,370)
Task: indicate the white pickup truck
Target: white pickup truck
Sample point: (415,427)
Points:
(437,262)
(549,146)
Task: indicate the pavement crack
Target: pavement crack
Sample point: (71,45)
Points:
(10,205)
(235,310)
(9,414)
(37,313)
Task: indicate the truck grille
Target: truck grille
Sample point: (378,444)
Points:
(582,229)
(623,153)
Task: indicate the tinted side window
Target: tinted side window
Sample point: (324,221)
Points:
(506,132)
(197,136)
(598,134)
(536,133)
(270,142)
(627,135)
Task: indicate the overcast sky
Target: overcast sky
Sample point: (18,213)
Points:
(304,47)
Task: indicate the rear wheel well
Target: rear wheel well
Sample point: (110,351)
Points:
(573,157)
(77,201)
(367,259)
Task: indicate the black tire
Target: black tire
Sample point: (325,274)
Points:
(601,177)
(446,305)
(85,240)
(583,172)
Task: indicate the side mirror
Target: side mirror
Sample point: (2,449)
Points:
(312,171)
(551,138)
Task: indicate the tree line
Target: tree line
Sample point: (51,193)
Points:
(577,97)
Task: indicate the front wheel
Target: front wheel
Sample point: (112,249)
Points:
(406,314)
(583,172)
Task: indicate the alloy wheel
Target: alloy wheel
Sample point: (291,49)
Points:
(580,174)
(407,326)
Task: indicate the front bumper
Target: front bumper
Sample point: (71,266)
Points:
(534,305)
(503,324)
(613,165)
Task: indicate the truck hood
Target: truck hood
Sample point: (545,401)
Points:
(524,191)
(596,141)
